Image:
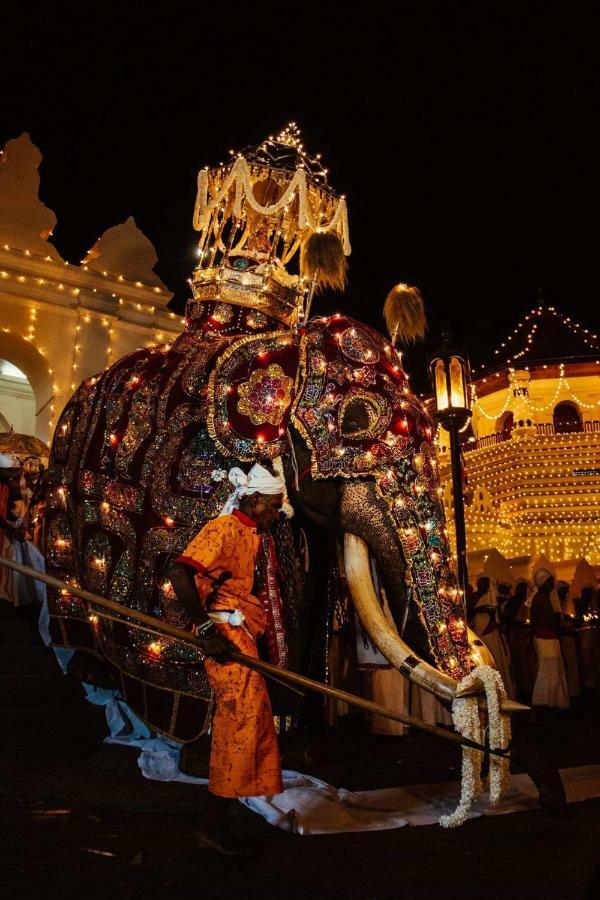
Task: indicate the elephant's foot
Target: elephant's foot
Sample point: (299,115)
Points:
(528,755)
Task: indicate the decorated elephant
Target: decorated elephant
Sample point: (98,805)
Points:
(142,453)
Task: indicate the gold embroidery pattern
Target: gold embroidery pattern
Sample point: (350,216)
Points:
(266,396)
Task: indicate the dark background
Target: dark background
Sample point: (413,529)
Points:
(463,138)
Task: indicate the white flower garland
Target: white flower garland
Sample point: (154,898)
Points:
(240,177)
(468,722)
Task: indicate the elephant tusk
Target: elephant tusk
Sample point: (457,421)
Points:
(383,634)
(388,641)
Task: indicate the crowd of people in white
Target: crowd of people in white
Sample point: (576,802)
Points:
(542,633)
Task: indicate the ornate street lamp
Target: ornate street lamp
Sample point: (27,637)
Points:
(449,369)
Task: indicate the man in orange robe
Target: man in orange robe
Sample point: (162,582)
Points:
(213,579)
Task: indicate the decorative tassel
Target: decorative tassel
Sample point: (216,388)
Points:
(404,314)
(323,255)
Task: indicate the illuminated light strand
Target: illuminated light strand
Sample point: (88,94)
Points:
(562,385)
(518,520)
(49,259)
(575,328)
(76,291)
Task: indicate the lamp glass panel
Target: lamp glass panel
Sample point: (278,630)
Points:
(457,383)
(441,387)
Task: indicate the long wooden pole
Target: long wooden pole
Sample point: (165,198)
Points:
(155,626)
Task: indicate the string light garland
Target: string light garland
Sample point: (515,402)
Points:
(589,339)
(50,259)
(562,386)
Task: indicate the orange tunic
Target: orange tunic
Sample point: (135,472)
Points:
(244,760)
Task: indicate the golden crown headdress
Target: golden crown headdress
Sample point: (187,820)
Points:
(272,231)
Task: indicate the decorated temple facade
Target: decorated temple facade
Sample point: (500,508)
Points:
(59,322)
(532,452)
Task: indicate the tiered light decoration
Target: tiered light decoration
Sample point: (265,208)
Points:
(256,214)
(536,490)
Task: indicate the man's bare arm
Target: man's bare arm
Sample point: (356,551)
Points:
(184,585)
(214,644)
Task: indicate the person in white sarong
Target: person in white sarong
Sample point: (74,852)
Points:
(550,688)
(497,581)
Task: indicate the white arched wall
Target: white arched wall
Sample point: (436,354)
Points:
(23,354)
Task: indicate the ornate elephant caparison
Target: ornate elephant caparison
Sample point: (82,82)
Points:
(141,451)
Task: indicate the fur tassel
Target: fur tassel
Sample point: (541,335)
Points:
(404,314)
(322,253)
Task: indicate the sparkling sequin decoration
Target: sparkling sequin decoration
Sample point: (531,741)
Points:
(139,425)
(256,320)
(242,353)
(199,459)
(165,501)
(365,376)
(88,406)
(266,396)
(358,346)
(222,313)
(157,542)
(195,378)
(374,407)
(63,433)
(419,521)
(97,558)
(59,542)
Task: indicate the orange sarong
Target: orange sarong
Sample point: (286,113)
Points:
(244,760)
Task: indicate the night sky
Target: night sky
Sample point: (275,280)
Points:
(464,141)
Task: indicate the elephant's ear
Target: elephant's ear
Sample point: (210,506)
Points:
(354,407)
(250,394)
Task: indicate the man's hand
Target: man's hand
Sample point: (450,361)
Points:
(215,646)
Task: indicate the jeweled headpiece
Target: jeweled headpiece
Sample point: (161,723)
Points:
(271,230)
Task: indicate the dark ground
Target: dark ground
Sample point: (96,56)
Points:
(80,821)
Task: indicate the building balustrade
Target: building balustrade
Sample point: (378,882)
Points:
(543,429)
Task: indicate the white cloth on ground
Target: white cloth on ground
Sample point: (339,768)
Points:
(308,805)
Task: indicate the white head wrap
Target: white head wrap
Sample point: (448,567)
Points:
(541,576)
(542,571)
(258,479)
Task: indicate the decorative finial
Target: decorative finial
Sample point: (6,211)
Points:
(290,136)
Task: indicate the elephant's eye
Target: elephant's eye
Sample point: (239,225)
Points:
(362,415)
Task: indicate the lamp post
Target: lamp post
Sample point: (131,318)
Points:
(449,369)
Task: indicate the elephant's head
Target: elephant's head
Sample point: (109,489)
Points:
(335,397)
